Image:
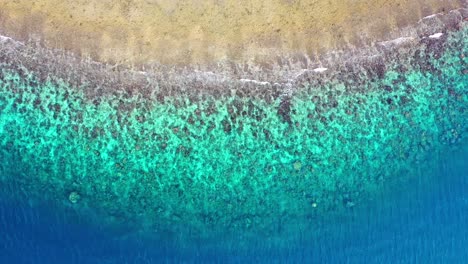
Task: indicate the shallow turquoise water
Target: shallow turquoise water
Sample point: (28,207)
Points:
(422,222)
(252,170)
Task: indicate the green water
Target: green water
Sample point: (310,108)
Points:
(187,168)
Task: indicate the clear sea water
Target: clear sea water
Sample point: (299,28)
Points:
(366,163)
(423,222)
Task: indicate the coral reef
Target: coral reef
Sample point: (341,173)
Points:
(190,154)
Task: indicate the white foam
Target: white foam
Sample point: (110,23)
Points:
(4,39)
(436,35)
(397,42)
(254,81)
(300,73)
(319,70)
(431,16)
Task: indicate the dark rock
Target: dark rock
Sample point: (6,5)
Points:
(284,110)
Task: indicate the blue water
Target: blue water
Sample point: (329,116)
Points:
(424,222)
(74,190)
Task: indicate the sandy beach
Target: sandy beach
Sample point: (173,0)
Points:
(174,32)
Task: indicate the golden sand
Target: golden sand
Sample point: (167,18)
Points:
(206,31)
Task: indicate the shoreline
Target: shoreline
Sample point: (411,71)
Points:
(158,33)
(218,151)
(252,80)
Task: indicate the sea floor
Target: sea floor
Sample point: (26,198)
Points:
(422,221)
(363,156)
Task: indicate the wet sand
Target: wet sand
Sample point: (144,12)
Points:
(174,32)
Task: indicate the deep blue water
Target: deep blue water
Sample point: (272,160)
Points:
(418,218)
(420,222)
